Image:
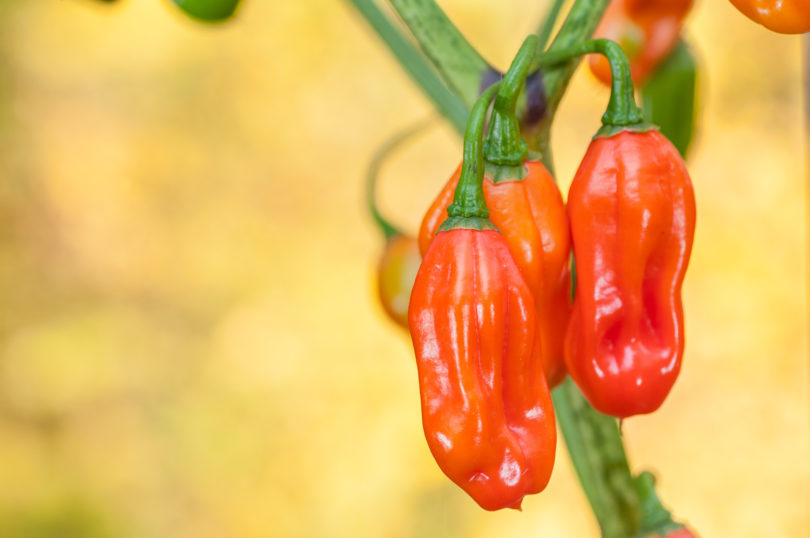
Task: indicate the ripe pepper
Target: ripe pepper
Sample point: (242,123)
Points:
(782,16)
(527,207)
(486,409)
(632,214)
(647,30)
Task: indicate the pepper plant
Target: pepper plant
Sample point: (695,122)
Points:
(452,74)
(498,445)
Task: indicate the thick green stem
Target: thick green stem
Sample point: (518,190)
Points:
(578,26)
(447,103)
(595,446)
(504,145)
(655,519)
(547,25)
(469,202)
(622,110)
(457,61)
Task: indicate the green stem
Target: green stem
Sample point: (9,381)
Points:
(655,519)
(622,110)
(595,446)
(373,173)
(544,33)
(447,103)
(578,26)
(468,201)
(457,61)
(504,145)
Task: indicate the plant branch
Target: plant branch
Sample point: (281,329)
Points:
(446,102)
(458,62)
(548,22)
(579,25)
(596,450)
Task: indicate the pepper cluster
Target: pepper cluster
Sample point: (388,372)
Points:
(491,317)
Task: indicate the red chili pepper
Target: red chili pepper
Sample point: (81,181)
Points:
(647,31)
(632,213)
(531,215)
(486,409)
(782,16)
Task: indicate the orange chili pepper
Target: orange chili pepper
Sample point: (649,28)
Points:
(782,16)
(647,31)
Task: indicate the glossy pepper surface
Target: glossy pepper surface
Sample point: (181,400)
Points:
(647,30)
(531,216)
(486,409)
(782,16)
(632,212)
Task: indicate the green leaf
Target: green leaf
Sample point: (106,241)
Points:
(669,97)
(208,10)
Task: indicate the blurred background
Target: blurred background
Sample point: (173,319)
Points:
(190,343)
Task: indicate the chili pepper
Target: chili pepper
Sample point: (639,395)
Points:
(396,272)
(647,30)
(400,259)
(486,409)
(781,16)
(208,10)
(527,207)
(632,214)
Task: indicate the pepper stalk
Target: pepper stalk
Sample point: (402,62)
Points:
(469,208)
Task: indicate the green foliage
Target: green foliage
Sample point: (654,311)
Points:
(669,97)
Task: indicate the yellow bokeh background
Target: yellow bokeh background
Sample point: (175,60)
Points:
(190,345)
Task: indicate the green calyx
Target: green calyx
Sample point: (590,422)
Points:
(655,519)
(622,112)
(501,173)
(504,146)
(468,200)
(467,223)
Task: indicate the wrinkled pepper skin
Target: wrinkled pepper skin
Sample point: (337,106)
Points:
(486,409)
(396,272)
(647,31)
(632,213)
(781,16)
(531,215)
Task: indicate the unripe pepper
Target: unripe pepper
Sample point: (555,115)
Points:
(632,214)
(396,272)
(647,31)
(782,16)
(486,409)
(527,207)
